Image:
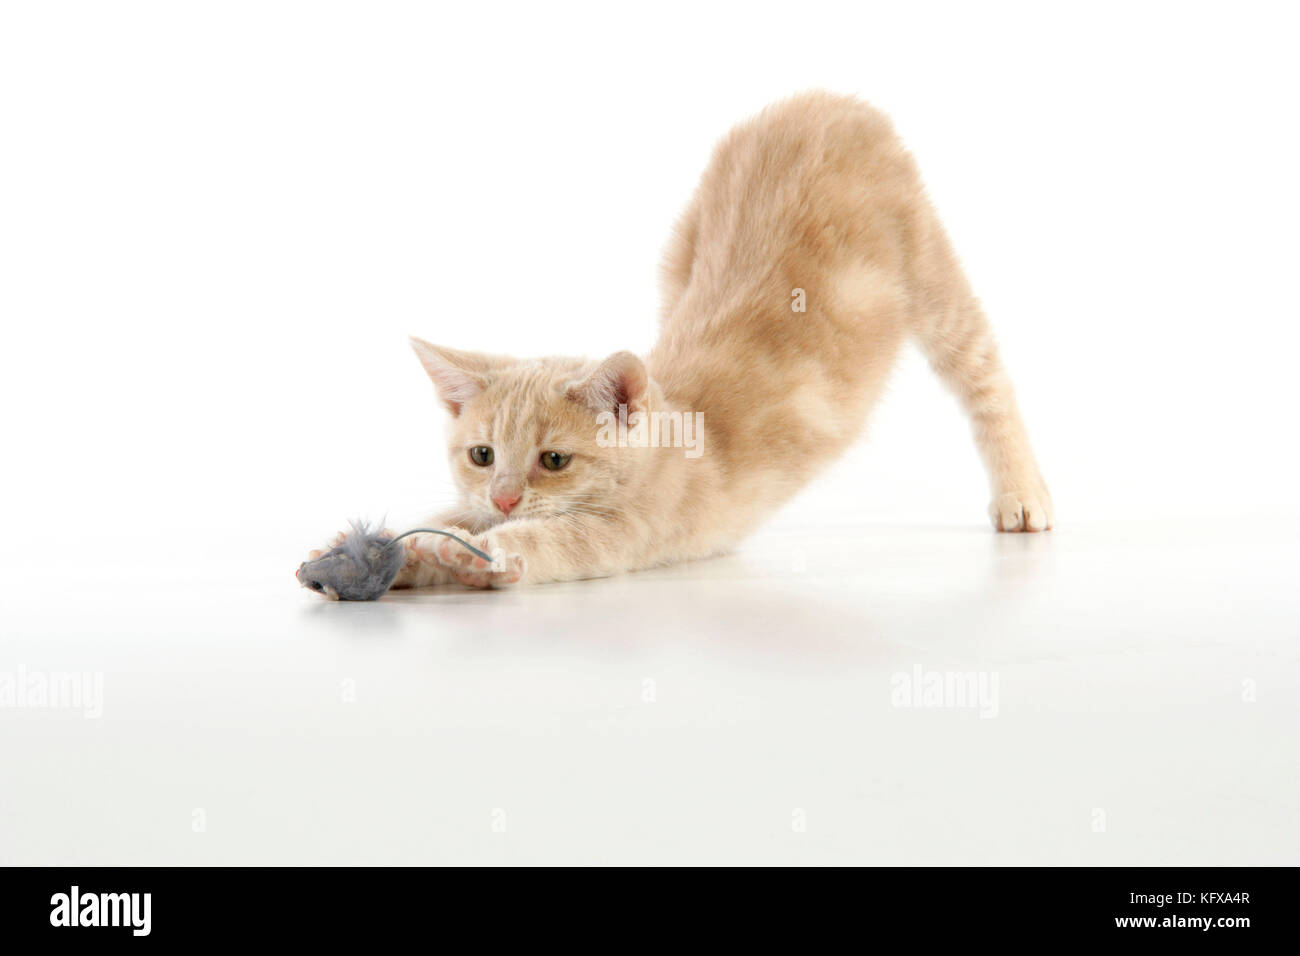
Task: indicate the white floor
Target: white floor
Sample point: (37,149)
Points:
(745,710)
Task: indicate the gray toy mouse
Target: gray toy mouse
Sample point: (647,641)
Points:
(364,564)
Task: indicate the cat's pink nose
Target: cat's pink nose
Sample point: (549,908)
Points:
(506,502)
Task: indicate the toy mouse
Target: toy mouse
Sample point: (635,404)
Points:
(363,565)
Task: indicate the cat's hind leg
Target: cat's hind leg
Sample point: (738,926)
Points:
(959,344)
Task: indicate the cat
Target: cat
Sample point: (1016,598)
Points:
(808,255)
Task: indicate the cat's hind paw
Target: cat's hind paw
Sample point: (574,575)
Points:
(1022,511)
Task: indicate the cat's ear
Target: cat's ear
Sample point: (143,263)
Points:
(619,380)
(457,376)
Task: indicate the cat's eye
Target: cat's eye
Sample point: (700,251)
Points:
(481,455)
(554,461)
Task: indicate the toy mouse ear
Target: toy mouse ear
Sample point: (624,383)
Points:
(458,376)
(619,380)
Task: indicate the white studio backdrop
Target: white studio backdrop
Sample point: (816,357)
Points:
(219,221)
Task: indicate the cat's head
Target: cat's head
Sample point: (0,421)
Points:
(524,438)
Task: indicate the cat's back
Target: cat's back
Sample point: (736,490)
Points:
(797,201)
(803,134)
(803,172)
(791,193)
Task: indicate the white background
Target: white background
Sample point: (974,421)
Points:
(219,221)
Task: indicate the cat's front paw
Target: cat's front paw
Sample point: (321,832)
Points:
(1023,511)
(337,540)
(333,543)
(505,569)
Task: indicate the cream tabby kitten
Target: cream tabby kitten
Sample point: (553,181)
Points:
(813,205)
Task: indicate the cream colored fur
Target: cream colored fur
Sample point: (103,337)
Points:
(815,194)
